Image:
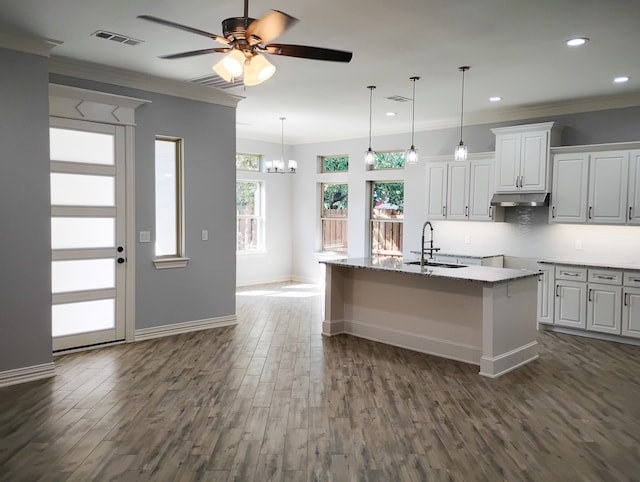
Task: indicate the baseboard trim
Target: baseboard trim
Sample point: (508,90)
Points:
(186,327)
(592,334)
(493,367)
(245,284)
(27,374)
(411,341)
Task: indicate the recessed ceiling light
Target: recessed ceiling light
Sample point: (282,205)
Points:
(391,114)
(577,42)
(495,98)
(621,79)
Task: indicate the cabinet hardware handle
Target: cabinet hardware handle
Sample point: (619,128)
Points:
(626,303)
(590,209)
(553,212)
(569,273)
(557,287)
(600,276)
(635,280)
(630,208)
(444,210)
(490,211)
(466,210)
(590,294)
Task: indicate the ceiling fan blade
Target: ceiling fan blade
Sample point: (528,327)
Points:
(305,52)
(193,53)
(169,23)
(264,29)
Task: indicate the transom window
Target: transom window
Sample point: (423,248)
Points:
(334,217)
(387,216)
(334,163)
(389,160)
(248,162)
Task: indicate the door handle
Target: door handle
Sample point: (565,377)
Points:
(121,260)
(490,211)
(557,287)
(590,209)
(120,249)
(444,210)
(630,208)
(466,210)
(553,212)
(626,303)
(590,294)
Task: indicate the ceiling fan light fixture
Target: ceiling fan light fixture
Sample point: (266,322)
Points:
(461,151)
(257,69)
(230,66)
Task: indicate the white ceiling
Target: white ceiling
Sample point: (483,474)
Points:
(515,49)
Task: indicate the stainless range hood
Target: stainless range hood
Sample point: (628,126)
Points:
(520,199)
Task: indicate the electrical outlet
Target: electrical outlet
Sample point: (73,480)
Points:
(145,236)
(578,244)
(205,235)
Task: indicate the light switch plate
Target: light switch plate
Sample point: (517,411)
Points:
(145,236)
(205,234)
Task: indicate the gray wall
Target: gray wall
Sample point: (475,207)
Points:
(526,233)
(206,287)
(25,272)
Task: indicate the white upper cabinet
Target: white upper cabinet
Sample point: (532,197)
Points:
(522,157)
(633,208)
(437,190)
(608,181)
(458,191)
(569,191)
(481,190)
(592,188)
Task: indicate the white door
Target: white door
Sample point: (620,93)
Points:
(633,210)
(631,312)
(608,179)
(508,162)
(570,185)
(604,308)
(88,269)
(481,190)
(570,305)
(437,190)
(533,171)
(458,191)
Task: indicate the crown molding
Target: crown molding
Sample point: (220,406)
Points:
(140,81)
(30,45)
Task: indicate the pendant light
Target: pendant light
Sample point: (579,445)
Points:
(277,165)
(460,152)
(370,154)
(411,154)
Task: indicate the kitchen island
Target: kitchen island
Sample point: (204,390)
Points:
(480,315)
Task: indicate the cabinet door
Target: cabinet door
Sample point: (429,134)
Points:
(631,312)
(533,162)
(570,304)
(545,294)
(633,209)
(604,308)
(481,190)
(437,190)
(507,162)
(458,191)
(569,192)
(608,182)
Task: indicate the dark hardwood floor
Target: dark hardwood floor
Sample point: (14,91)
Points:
(271,399)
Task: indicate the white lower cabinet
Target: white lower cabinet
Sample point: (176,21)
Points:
(604,308)
(570,305)
(631,312)
(595,299)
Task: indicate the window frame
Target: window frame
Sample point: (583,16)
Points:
(321,160)
(323,218)
(373,219)
(177,259)
(260,217)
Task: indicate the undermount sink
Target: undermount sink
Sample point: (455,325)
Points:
(437,265)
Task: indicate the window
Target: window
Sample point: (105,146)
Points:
(169,196)
(248,162)
(387,214)
(334,217)
(389,160)
(249,216)
(334,163)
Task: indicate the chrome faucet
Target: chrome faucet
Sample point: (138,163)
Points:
(431,249)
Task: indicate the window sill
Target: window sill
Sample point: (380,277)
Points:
(166,263)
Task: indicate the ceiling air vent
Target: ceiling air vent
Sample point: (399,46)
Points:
(397,98)
(214,80)
(116,37)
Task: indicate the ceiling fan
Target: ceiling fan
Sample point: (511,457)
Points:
(246,39)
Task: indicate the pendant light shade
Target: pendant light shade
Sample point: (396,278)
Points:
(370,154)
(256,68)
(277,165)
(230,66)
(411,154)
(460,152)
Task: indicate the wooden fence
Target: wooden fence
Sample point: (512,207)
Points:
(334,230)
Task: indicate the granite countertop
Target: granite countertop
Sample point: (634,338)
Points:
(589,264)
(457,255)
(482,274)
